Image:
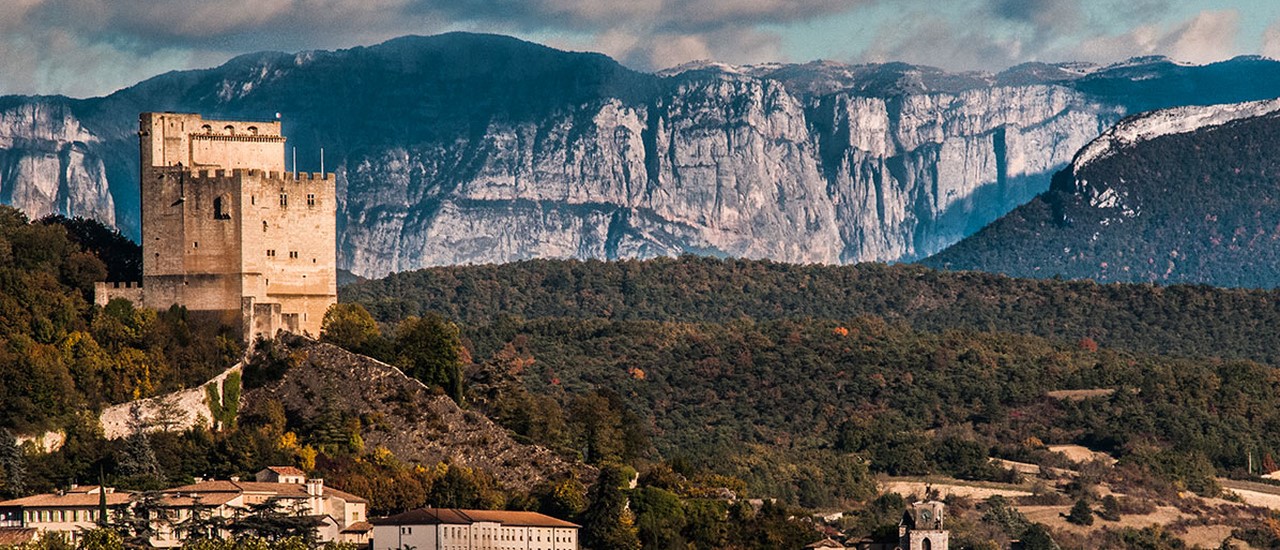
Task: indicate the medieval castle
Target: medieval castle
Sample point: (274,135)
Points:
(227,230)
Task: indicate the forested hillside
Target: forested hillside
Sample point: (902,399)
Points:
(794,408)
(801,381)
(1200,207)
(1172,320)
(59,354)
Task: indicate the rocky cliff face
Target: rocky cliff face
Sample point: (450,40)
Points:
(476,149)
(50,163)
(721,164)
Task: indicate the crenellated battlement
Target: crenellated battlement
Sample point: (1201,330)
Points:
(269,175)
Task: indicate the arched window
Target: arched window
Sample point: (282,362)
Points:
(222,208)
(926,544)
(231,130)
(253,130)
(207,129)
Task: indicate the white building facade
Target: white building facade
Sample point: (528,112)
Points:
(455,529)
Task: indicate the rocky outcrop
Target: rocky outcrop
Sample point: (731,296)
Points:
(467,148)
(404,416)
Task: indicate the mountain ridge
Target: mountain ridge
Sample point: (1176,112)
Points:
(466,148)
(1180,195)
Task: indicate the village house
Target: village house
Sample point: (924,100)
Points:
(339,516)
(454,529)
(67,512)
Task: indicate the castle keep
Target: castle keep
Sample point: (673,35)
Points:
(225,228)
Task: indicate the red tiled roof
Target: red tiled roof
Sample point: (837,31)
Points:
(287,471)
(359,527)
(189,499)
(329,491)
(455,516)
(68,500)
(282,490)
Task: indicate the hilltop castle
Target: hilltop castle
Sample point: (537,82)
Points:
(226,229)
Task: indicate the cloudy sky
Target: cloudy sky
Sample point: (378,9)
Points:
(92,47)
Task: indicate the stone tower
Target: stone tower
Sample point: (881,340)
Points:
(921,527)
(225,228)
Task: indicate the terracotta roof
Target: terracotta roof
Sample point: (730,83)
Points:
(359,527)
(68,500)
(329,491)
(455,516)
(206,499)
(283,490)
(825,543)
(287,471)
(13,536)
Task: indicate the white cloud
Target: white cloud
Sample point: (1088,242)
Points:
(1208,36)
(1271,41)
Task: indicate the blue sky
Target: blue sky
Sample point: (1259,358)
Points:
(92,47)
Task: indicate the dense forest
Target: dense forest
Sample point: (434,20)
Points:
(1180,320)
(802,381)
(1201,207)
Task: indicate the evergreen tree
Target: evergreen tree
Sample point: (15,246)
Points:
(1081,513)
(431,351)
(607,524)
(13,471)
(139,459)
(1037,537)
(660,518)
(100,539)
(1110,508)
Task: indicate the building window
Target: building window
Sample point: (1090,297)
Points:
(293,254)
(284,199)
(253,130)
(231,130)
(253,199)
(207,129)
(311,199)
(221,208)
(195,244)
(271,253)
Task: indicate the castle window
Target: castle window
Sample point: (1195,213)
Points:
(207,129)
(253,130)
(264,226)
(311,199)
(253,199)
(231,130)
(220,208)
(271,253)
(284,199)
(293,254)
(195,244)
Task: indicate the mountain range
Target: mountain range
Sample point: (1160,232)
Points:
(465,148)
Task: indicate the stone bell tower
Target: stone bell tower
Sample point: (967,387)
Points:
(921,527)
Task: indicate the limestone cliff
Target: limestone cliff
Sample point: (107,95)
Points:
(50,163)
(474,149)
